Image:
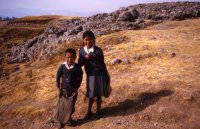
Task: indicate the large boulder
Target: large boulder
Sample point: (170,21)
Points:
(129,15)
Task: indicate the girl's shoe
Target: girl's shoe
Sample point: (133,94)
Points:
(98,115)
(88,116)
(71,122)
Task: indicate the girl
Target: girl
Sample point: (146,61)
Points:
(92,58)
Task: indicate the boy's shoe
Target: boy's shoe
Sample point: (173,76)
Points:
(61,126)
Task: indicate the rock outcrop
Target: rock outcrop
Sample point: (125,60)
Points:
(126,18)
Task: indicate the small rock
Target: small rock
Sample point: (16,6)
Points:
(137,57)
(146,117)
(188,97)
(119,122)
(29,73)
(145,47)
(173,54)
(125,16)
(126,61)
(3,73)
(161,109)
(152,38)
(115,61)
(1,39)
(155,124)
(15,68)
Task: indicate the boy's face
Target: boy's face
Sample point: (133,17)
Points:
(70,58)
(88,41)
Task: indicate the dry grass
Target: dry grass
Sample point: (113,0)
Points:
(28,111)
(35,94)
(39,19)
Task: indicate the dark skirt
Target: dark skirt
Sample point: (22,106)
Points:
(96,86)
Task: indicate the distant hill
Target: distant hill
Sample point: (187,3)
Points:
(22,12)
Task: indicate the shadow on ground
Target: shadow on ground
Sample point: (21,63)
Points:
(131,106)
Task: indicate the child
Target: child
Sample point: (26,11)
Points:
(92,58)
(71,75)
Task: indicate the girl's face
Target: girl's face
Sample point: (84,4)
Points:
(70,58)
(88,41)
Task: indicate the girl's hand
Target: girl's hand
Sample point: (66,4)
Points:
(87,56)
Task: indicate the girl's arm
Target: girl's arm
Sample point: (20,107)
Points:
(98,55)
(81,59)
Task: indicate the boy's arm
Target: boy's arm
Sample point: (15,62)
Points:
(58,76)
(80,76)
(79,79)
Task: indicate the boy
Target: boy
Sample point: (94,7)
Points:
(71,74)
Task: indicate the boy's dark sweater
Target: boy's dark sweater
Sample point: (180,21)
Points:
(71,78)
(95,65)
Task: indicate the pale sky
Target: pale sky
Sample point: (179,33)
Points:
(74,5)
(20,8)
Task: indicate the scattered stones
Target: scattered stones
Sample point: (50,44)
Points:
(118,61)
(127,18)
(138,57)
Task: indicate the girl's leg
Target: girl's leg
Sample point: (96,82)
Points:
(99,100)
(91,100)
(89,112)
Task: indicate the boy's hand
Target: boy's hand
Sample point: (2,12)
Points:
(75,92)
(58,92)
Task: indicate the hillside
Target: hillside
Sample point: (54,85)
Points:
(134,17)
(159,88)
(18,31)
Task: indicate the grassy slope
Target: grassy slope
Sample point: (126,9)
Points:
(156,91)
(20,30)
